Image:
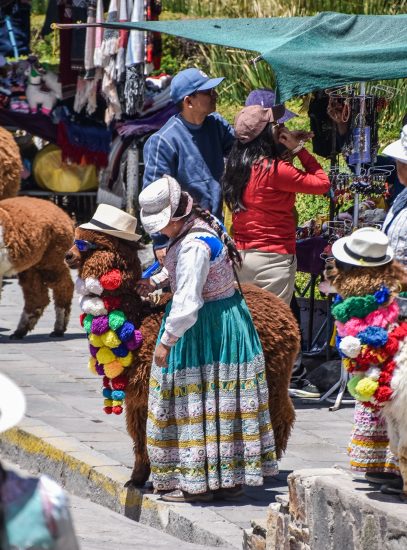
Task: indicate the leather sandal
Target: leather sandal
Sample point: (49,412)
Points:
(182,496)
(394,487)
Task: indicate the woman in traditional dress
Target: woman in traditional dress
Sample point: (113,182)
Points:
(208,429)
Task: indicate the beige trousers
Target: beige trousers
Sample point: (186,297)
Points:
(271,271)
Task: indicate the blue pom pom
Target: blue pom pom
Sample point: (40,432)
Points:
(373,336)
(118,395)
(125,332)
(107,394)
(338,300)
(120,351)
(381,296)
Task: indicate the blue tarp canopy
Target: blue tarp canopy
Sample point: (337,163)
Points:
(306,53)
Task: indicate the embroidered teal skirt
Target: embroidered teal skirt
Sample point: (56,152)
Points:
(208,420)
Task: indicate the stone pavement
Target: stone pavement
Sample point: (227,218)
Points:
(64,408)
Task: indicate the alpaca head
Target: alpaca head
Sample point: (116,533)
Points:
(348,280)
(104,253)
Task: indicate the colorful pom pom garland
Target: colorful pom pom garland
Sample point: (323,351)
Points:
(112,337)
(372,346)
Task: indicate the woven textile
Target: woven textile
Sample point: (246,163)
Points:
(369,445)
(208,423)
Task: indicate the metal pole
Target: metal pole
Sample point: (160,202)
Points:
(358,168)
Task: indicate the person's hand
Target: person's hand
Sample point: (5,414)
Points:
(144,287)
(288,139)
(302,135)
(160,254)
(160,355)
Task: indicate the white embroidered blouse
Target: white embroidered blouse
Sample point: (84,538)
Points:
(199,271)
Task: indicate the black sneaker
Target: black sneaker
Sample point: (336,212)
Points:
(303,388)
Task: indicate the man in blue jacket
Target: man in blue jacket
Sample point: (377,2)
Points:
(192,145)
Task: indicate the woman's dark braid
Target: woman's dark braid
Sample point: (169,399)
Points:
(233,252)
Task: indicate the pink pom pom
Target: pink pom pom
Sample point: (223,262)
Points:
(117,409)
(135,341)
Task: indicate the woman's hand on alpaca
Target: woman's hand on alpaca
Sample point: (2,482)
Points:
(161,354)
(144,287)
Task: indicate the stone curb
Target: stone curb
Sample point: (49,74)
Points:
(94,476)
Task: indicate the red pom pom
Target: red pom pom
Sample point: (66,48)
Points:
(120,382)
(389,367)
(117,409)
(385,378)
(111,280)
(383,393)
(111,302)
(109,410)
(106,382)
(400,332)
(392,345)
(82,318)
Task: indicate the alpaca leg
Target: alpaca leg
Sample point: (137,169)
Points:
(62,290)
(36,299)
(403,465)
(136,418)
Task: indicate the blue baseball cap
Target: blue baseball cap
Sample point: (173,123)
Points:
(189,81)
(267,98)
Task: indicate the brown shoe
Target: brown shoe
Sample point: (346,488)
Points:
(182,496)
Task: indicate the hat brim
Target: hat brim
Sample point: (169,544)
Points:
(209,84)
(396,151)
(339,253)
(114,232)
(153,223)
(288,115)
(12,404)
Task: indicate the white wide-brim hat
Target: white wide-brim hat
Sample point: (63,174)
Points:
(398,149)
(159,202)
(366,247)
(113,221)
(12,403)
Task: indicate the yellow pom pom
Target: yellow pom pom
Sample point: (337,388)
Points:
(105,355)
(108,402)
(92,365)
(117,403)
(126,361)
(366,387)
(110,339)
(95,340)
(113,369)
(347,363)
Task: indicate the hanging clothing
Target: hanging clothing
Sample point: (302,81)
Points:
(208,421)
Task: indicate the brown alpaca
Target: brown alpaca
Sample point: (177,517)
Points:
(11,165)
(274,321)
(34,236)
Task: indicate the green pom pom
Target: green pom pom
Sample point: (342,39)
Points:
(116,319)
(87,322)
(353,382)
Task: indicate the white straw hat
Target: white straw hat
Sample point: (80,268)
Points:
(159,202)
(398,149)
(113,221)
(12,403)
(366,247)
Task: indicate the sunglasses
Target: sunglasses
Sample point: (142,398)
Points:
(84,246)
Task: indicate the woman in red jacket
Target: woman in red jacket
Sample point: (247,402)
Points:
(260,188)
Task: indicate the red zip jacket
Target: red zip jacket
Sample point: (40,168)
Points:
(268,222)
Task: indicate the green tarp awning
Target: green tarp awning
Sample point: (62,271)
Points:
(306,53)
